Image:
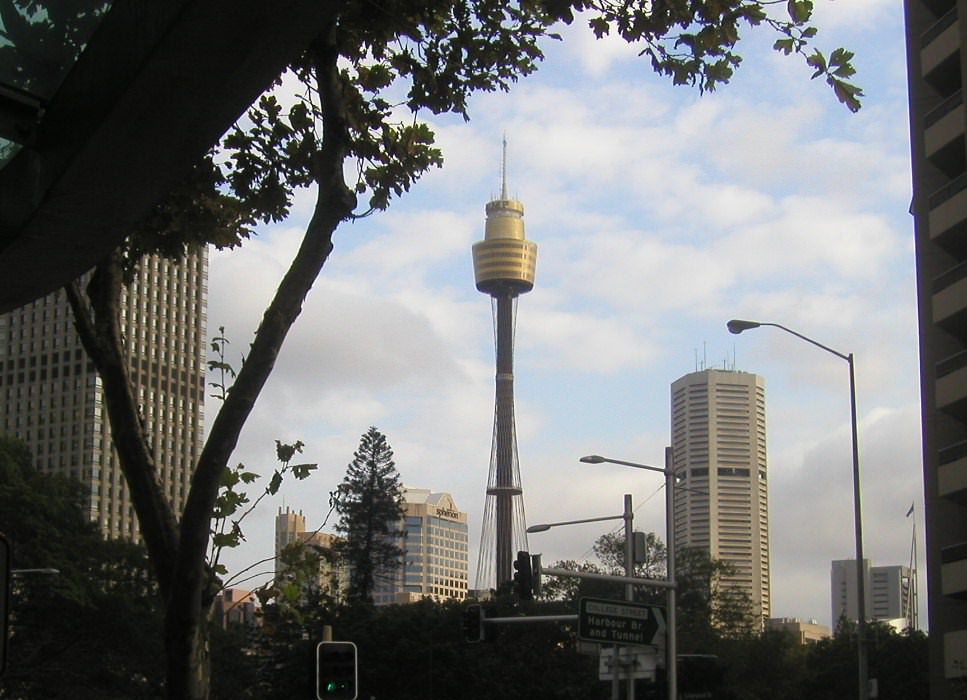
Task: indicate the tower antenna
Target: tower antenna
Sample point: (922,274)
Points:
(503,171)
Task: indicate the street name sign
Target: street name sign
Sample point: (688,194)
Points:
(620,622)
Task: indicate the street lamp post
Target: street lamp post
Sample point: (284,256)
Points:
(628,516)
(671,657)
(737,326)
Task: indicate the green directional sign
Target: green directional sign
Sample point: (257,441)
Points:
(619,622)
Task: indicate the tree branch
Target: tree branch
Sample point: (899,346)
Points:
(96,321)
(334,204)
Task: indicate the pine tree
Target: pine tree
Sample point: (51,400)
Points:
(370,506)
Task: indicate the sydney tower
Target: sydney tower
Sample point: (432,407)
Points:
(503,264)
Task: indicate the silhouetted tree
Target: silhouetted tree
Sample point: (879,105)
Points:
(92,630)
(370,505)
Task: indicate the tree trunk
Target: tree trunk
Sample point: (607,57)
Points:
(178,551)
(188,652)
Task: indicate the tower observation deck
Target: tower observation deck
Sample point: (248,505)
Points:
(504,263)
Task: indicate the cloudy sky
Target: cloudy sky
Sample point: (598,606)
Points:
(659,215)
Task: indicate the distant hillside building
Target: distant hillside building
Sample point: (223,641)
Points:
(888,592)
(436,544)
(722,504)
(52,398)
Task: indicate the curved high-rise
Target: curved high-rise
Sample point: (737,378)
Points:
(503,263)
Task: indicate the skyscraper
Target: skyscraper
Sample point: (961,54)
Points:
(889,592)
(937,64)
(51,396)
(504,264)
(722,502)
(436,545)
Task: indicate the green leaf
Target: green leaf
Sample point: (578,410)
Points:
(600,26)
(286,452)
(275,483)
(800,10)
(301,471)
(784,45)
(818,61)
(225,539)
(847,94)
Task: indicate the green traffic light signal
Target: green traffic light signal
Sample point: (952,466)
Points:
(336,674)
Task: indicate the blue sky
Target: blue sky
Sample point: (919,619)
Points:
(659,214)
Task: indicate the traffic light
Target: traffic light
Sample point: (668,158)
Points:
(522,576)
(473,623)
(536,574)
(336,676)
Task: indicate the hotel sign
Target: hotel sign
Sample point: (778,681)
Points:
(444,513)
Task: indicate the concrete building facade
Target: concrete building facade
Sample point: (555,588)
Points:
(721,500)
(937,63)
(805,631)
(889,592)
(332,578)
(51,397)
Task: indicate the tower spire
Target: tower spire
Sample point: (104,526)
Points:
(503,172)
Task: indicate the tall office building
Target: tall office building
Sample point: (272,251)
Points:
(722,505)
(51,397)
(937,64)
(889,592)
(436,544)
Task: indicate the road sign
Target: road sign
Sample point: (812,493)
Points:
(619,622)
(629,663)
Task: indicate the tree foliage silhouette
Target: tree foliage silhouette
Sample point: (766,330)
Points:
(370,505)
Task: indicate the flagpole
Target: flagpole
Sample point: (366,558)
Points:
(913,604)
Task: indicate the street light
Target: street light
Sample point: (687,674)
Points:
(736,326)
(671,659)
(544,527)
(628,516)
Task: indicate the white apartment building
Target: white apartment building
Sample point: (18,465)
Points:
(721,501)
(51,397)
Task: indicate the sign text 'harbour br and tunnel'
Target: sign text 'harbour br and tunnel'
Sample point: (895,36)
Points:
(619,622)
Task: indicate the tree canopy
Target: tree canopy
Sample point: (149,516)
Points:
(93,628)
(370,506)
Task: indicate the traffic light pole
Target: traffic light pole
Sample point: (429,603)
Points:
(629,515)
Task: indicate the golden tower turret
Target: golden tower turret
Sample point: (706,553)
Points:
(504,261)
